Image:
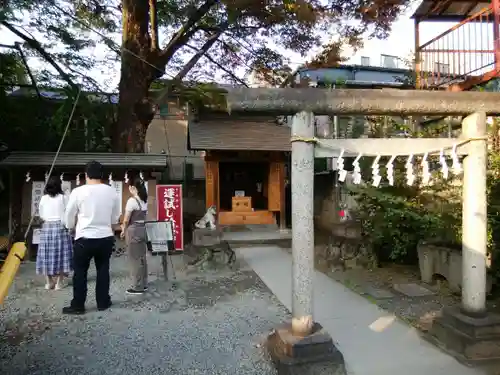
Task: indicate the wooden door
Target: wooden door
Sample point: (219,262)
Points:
(212,183)
(276,175)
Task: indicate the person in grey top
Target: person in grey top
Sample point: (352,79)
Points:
(134,232)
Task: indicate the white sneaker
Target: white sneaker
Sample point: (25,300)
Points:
(59,286)
(48,286)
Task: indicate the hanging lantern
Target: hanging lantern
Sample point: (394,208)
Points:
(126,178)
(62,177)
(28,177)
(46,176)
(141,176)
(78,179)
(110,178)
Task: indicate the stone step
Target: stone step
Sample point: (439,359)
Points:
(250,228)
(255,236)
(283,243)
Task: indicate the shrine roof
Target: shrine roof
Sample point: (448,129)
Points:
(239,135)
(79,159)
(454,10)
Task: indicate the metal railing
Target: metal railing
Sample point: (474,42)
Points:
(465,51)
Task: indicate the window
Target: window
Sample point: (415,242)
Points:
(442,68)
(365,61)
(388,61)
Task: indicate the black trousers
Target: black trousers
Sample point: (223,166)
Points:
(84,250)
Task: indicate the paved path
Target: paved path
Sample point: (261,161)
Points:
(212,323)
(373,341)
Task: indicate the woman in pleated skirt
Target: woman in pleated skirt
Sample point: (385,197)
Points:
(55,250)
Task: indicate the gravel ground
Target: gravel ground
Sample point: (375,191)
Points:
(213,322)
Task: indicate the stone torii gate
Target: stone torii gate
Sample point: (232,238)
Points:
(471,330)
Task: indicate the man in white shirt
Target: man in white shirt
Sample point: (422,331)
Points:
(97,208)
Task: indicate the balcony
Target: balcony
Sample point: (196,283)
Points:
(467,54)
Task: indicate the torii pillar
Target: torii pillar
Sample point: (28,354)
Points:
(303,346)
(469,331)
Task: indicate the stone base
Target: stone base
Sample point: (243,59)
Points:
(473,340)
(311,355)
(206,237)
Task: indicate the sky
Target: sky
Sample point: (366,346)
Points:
(400,43)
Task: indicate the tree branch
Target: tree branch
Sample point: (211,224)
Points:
(200,52)
(39,48)
(220,66)
(30,73)
(185,32)
(153,21)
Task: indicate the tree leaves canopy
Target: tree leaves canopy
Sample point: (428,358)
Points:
(197,40)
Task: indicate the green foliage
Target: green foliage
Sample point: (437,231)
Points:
(31,123)
(252,31)
(393,224)
(395,218)
(12,70)
(493,186)
(202,40)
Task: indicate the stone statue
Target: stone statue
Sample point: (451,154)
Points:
(345,214)
(208,220)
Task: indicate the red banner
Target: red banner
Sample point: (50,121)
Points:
(169,207)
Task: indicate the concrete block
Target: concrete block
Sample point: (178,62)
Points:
(444,261)
(206,237)
(314,354)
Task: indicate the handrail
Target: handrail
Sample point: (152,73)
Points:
(488,9)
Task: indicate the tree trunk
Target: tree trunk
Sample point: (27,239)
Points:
(141,63)
(135,111)
(135,107)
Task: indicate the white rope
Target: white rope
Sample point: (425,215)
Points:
(55,156)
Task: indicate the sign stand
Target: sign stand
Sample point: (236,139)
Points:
(161,241)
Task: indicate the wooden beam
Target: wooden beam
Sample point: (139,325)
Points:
(286,101)
(328,148)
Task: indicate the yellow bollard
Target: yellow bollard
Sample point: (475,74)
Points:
(10,267)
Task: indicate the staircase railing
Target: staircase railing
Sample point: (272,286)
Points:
(467,50)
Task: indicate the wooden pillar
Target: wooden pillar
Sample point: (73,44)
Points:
(212,183)
(274,187)
(282,222)
(276,190)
